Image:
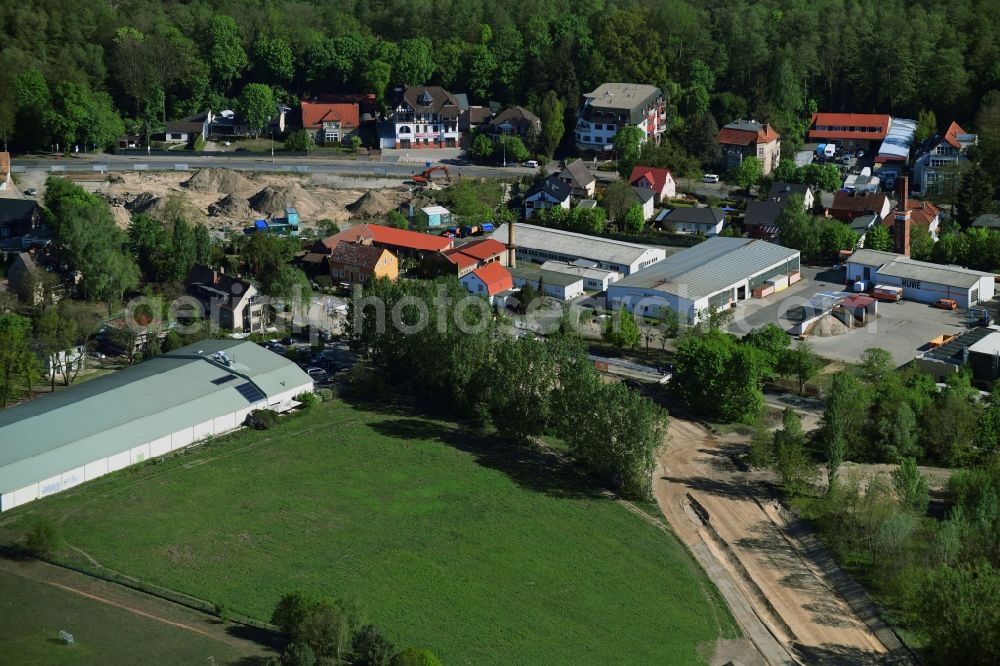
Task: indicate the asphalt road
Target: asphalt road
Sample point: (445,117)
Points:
(254,163)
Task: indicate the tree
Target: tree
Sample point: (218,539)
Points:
(622,331)
(376,76)
(921,243)
(17,360)
(551,113)
(911,486)
(954,606)
(701,139)
(256,106)
(878,238)
(926,126)
(371,648)
(633,221)
(825,177)
(797,229)
(749,172)
(299,141)
(414,65)
(54,339)
(617,198)
(791,462)
(273,60)
(627,146)
(772,341)
(482,147)
(668,322)
(227,58)
(514,147)
(787,172)
(32,98)
(975,194)
(799,362)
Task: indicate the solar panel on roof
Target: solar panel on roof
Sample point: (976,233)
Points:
(250,392)
(222,380)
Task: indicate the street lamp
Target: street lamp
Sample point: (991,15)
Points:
(272,146)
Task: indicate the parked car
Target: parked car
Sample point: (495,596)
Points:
(531,164)
(946,303)
(710,178)
(31,191)
(859,154)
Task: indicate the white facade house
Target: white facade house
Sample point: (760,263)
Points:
(939,159)
(614,105)
(549,193)
(426,117)
(166,403)
(718,272)
(921,281)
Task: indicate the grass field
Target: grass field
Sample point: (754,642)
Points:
(33,613)
(484,552)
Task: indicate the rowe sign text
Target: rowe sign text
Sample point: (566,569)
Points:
(913,284)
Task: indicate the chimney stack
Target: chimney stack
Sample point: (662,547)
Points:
(901,224)
(904,193)
(511,247)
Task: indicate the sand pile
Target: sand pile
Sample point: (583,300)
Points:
(371,204)
(145,202)
(827,326)
(232,205)
(163,207)
(274,200)
(218,180)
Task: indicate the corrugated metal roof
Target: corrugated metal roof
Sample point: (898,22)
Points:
(897,265)
(708,267)
(114,413)
(872,257)
(532,273)
(568,243)
(588,272)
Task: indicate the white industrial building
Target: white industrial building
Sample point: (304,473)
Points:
(561,286)
(594,278)
(718,272)
(166,403)
(541,244)
(921,281)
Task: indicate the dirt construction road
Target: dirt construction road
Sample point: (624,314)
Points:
(786,604)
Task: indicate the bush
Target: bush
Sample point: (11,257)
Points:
(262,419)
(324,395)
(307,399)
(199,143)
(222,612)
(416,657)
(371,647)
(42,538)
(298,654)
(366,384)
(324,282)
(299,141)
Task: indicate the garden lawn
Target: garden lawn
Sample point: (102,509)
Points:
(480,550)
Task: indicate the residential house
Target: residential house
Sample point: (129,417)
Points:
(474,119)
(545,194)
(761,218)
(23,276)
(426,117)
(488,280)
(614,105)
(229,302)
(850,130)
(586,203)
(330,122)
(437,216)
(357,262)
(515,121)
(644,198)
(782,191)
(186,130)
(987,221)
(467,257)
(659,181)
(849,205)
(707,221)
(18,217)
(920,213)
(939,159)
(401,242)
(579,178)
(748,138)
(128,142)
(862,225)
(5,176)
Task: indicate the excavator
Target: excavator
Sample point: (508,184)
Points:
(428,174)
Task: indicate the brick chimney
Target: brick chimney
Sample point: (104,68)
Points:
(511,246)
(901,223)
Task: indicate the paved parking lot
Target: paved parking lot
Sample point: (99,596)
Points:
(901,328)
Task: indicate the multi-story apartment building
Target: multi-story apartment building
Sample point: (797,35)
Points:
(748,138)
(614,105)
(426,117)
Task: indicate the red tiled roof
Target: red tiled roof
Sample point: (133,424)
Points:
(314,113)
(951,135)
(879,120)
(922,213)
(356,234)
(495,277)
(409,239)
(657,178)
(461,260)
(858,301)
(480,249)
(742,137)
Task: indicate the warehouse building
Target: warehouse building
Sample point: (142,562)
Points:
(921,281)
(166,403)
(718,272)
(561,286)
(594,278)
(978,348)
(541,244)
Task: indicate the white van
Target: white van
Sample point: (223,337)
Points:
(710,178)
(830,150)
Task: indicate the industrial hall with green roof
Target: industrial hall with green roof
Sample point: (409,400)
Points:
(165,403)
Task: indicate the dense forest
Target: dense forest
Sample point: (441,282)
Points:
(77,71)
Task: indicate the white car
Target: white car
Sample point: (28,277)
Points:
(531,164)
(710,178)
